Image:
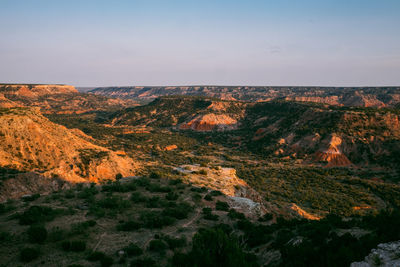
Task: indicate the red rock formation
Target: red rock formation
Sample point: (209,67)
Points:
(332,155)
(210,122)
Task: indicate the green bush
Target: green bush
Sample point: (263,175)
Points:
(155,175)
(180,212)
(156,188)
(57,234)
(198,189)
(117,187)
(37,214)
(172,196)
(207,214)
(30,198)
(157,245)
(213,247)
(143,262)
(153,202)
(137,197)
(118,176)
(29,254)
(88,192)
(95,256)
(155,219)
(142,181)
(233,214)
(267,217)
(106,261)
(175,182)
(208,197)
(215,193)
(74,246)
(175,242)
(115,203)
(81,227)
(128,226)
(221,205)
(133,250)
(37,234)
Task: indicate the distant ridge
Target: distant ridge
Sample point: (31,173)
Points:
(341,96)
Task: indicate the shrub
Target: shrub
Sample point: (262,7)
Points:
(118,176)
(156,188)
(233,214)
(138,197)
(56,234)
(116,187)
(207,215)
(221,205)
(172,196)
(74,246)
(196,197)
(267,217)
(29,254)
(142,181)
(202,172)
(198,189)
(180,212)
(113,202)
(128,226)
(37,234)
(106,261)
(155,219)
(143,262)
(175,242)
(213,247)
(175,182)
(155,175)
(81,227)
(157,245)
(37,214)
(216,193)
(3,208)
(133,250)
(95,256)
(30,198)
(88,192)
(208,197)
(153,202)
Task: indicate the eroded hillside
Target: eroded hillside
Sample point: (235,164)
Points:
(31,143)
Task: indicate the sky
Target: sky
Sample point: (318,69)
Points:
(201,42)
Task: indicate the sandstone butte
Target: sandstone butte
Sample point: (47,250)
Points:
(210,122)
(332,155)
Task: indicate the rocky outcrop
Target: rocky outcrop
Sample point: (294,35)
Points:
(385,255)
(210,122)
(332,154)
(302,213)
(30,142)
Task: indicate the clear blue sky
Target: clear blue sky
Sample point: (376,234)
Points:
(236,42)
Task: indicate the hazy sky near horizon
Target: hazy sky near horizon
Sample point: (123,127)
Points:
(218,42)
